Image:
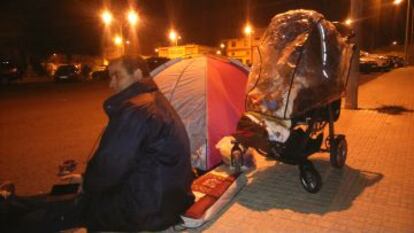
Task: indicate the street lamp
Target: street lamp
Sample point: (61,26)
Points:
(248,31)
(407,28)
(397,2)
(222,49)
(106,17)
(118,40)
(407,25)
(132,17)
(173,36)
(348,21)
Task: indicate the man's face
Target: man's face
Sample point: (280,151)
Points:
(118,76)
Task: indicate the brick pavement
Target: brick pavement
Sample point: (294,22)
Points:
(373,193)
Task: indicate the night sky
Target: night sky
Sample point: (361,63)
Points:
(74,26)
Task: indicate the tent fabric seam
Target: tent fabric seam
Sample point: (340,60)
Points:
(178,80)
(206,109)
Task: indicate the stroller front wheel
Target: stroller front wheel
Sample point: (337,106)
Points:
(310,178)
(338,151)
(236,158)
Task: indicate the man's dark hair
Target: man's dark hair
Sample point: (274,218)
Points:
(131,64)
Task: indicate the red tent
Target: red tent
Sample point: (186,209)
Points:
(208,93)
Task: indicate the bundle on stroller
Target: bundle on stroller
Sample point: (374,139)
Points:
(294,91)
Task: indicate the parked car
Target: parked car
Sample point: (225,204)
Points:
(384,62)
(396,61)
(99,72)
(9,71)
(367,65)
(67,73)
(154,62)
(370,62)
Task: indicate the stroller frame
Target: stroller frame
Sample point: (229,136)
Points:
(300,145)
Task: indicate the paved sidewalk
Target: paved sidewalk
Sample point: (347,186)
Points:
(373,193)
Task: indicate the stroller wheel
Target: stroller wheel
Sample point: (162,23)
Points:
(237,160)
(339,152)
(310,178)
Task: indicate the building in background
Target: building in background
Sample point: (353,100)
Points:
(244,48)
(185,51)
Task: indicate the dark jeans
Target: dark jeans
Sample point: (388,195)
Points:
(41,213)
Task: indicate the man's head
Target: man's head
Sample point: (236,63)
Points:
(126,70)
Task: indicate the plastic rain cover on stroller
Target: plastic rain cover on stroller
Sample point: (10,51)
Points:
(294,91)
(303,64)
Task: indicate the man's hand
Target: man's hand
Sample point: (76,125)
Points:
(72,178)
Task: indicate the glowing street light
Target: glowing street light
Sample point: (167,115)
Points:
(407,27)
(114,23)
(132,17)
(222,45)
(118,40)
(394,43)
(397,2)
(248,29)
(173,36)
(349,21)
(106,17)
(218,52)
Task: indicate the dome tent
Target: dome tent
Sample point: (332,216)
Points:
(208,94)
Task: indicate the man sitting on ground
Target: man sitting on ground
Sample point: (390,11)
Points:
(140,175)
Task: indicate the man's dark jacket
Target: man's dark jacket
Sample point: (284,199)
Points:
(140,176)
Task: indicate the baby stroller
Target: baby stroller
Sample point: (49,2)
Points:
(294,91)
